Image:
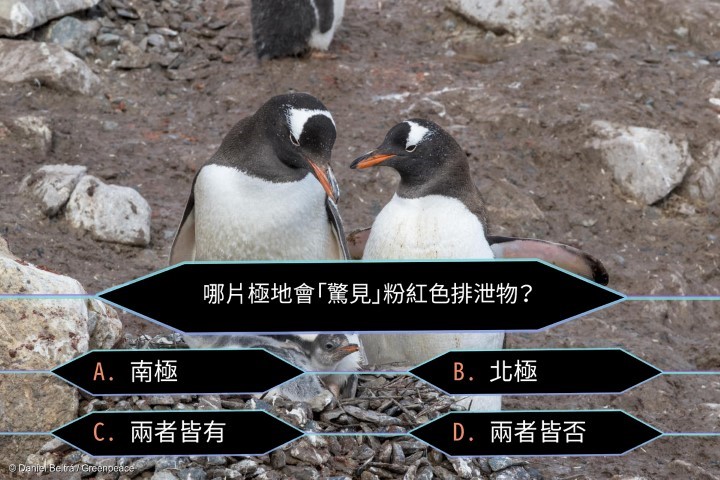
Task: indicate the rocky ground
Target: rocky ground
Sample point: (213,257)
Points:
(163,81)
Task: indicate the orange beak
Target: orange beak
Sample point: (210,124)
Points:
(352,348)
(370,160)
(322,177)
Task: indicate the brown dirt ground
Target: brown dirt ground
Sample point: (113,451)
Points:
(521,110)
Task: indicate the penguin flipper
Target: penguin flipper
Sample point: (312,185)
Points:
(563,256)
(337,227)
(183,247)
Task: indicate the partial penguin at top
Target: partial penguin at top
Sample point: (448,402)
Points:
(287,28)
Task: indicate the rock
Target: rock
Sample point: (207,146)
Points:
(38,335)
(103,324)
(163,475)
(51,185)
(305,453)
(160,400)
(32,403)
(245,467)
(109,212)
(463,467)
(500,463)
(192,474)
(511,473)
(703,182)
(141,464)
(107,39)
(521,16)
(47,63)
(20,16)
(54,446)
(320,401)
(648,164)
(169,463)
(72,34)
(683,469)
(156,40)
(30,132)
(43,333)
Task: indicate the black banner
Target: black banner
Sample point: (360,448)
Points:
(447,296)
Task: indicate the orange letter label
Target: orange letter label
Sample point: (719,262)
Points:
(99,372)
(458,431)
(95,432)
(458,371)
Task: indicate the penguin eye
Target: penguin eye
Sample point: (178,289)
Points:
(329,346)
(410,148)
(294,140)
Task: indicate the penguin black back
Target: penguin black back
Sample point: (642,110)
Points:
(287,28)
(281,28)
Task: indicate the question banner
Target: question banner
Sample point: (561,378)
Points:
(437,296)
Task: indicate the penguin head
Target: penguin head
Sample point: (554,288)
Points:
(329,349)
(418,149)
(302,133)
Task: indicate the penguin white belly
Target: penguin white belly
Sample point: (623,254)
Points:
(240,217)
(429,227)
(319,40)
(434,226)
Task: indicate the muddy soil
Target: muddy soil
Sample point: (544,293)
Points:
(521,110)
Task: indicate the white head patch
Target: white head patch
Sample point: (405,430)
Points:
(417,134)
(298,117)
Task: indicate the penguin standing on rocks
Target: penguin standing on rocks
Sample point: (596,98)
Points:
(437,212)
(286,28)
(268,193)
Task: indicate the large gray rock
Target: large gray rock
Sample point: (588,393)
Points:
(20,16)
(47,63)
(32,403)
(51,185)
(72,34)
(40,334)
(521,16)
(703,183)
(648,164)
(109,212)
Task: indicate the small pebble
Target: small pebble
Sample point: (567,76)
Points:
(681,32)
(109,126)
(156,40)
(107,39)
(500,463)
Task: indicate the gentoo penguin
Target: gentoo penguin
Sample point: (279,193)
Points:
(437,212)
(285,28)
(264,194)
(268,193)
